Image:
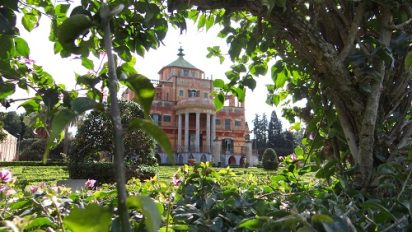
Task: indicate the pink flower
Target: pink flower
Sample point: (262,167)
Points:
(90,183)
(34,189)
(5,175)
(293,157)
(10,192)
(312,136)
(2,188)
(176,181)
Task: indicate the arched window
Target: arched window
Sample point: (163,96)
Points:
(156,118)
(192,93)
(159,159)
(180,159)
(232,160)
(203,158)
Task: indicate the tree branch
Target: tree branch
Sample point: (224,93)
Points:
(401,25)
(406,134)
(105,14)
(367,132)
(347,127)
(353,31)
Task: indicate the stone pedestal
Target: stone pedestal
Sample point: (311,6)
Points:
(249,158)
(217,145)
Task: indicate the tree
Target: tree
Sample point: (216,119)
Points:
(260,133)
(350,60)
(275,136)
(3,135)
(95,138)
(14,124)
(270,159)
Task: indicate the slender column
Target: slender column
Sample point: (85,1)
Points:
(179,133)
(208,132)
(213,127)
(213,135)
(197,145)
(187,132)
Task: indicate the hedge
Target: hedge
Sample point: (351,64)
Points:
(104,172)
(31,163)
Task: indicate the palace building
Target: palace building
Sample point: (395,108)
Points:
(183,107)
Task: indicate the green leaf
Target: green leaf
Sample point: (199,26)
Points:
(249,223)
(50,97)
(31,105)
(174,227)
(143,89)
(7,50)
(93,218)
(232,75)
(71,29)
(327,170)
(60,121)
(87,63)
(384,213)
(150,212)
(209,22)
(82,104)
(39,222)
(280,79)
(218,83)
(235,49)
(408,60)
(156,132)
(30,19)
(219,101)
(12,4)
(269,4)
(249,82)
(321,218)
(259,69)
(239,68)
(22,47)
(202,21)
(6,89)
(299,152)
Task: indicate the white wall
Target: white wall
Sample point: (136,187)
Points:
(8,148)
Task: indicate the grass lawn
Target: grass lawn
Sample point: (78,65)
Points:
(166,172)
(27,175)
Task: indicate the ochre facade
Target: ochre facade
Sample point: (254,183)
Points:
(183,107)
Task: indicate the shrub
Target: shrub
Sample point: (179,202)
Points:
(33,149)
(94,143)
(270,159)
(104,172)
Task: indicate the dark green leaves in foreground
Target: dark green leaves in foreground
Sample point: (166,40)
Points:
(156,132)
(71,29)
(63,118)
(93,218)
(143,89)
(149,210)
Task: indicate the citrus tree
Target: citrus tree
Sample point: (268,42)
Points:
(349,59)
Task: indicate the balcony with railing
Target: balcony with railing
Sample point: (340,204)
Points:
(195,102)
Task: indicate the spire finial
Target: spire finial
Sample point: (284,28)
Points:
(180,54)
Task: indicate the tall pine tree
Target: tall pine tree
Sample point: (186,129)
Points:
(260,133)
(275,136)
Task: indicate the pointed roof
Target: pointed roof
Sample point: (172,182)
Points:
(181,62)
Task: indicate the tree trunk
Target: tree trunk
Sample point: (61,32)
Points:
(324,37)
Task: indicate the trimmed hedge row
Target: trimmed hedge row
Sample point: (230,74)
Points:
(31,163)
(104,172)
